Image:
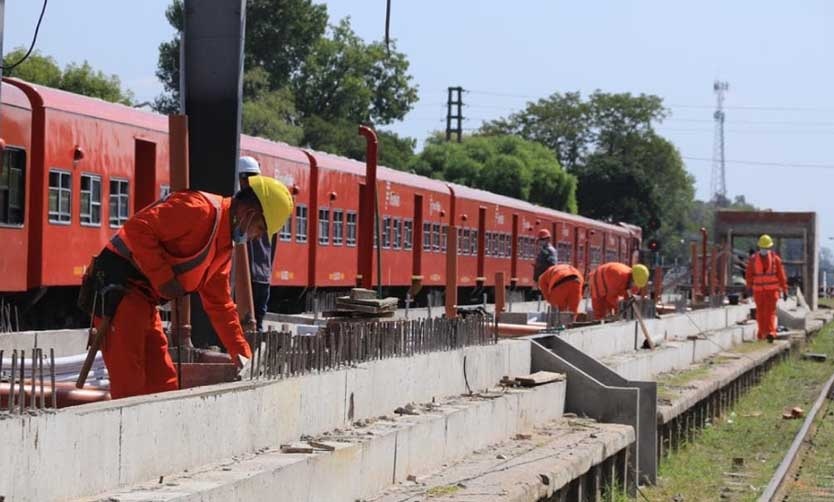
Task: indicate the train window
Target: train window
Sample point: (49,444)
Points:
(351,228)
(473,243)
(488,244)
(164,190)
(564,251)
(12,187)
(300,223)
(386,232)
(426,236)
(596,255)
(408,234)
(338,227)
(460,246)
(435,242)
(119,194)
(444,237)
(396,233)
(610,255)
(60,196)
(90,199)
(324,226)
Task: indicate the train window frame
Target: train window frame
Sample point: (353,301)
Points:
(396,233)
(92,203)
(386,232)
(435,241)
(324,226)
(121,198)
(473,243)
(444,238)
(350,228)
(460,245)
(564,252)
(17,192)
(57,216)
(285,233)
(301,220)
(408,234)
(338,216)
(427,236)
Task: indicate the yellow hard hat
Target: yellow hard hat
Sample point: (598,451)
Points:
(275,200)
(765,242)
(640,275)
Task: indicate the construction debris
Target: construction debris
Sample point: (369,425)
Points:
(793,413)
(811,356)
(364,303)
(539,378)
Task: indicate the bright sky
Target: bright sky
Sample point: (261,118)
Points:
(775,55)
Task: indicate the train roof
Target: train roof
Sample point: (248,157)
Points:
(15,97)
(386,174)
(55,99)
(273,148)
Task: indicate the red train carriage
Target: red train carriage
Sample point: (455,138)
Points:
(14,187)
(76,168)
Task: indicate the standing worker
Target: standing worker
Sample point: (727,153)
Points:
(547,254)
(612,281)
(561,286)
(261,250)
(176,246)
(766,277)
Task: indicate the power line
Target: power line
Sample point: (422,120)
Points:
(763,163)
(31,46)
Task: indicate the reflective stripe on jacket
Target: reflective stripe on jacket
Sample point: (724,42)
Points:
(766,273)
(610,280)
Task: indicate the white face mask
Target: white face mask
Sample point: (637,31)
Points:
(763,252)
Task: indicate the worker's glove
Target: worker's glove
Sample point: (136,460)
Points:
(172,289)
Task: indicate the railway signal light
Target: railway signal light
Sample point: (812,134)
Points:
(654,245)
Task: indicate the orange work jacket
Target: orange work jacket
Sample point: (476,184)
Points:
(187,236)
(766,273)
(610,280)
(557,275)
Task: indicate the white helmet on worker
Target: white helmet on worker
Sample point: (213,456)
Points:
(248,165)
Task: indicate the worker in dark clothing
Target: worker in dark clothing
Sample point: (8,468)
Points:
(547,254)
(261,250)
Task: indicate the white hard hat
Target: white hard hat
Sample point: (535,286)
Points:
(248,165)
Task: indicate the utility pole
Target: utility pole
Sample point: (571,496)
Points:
(455,100)
(718,182)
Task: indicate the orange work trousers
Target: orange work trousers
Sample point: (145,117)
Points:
(603,307)
(766,313)
(136,349)
(565,296)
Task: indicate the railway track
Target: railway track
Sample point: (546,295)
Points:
(806,473)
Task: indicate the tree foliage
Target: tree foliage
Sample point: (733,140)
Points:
(78,78)
(305,84)
(506,165)
(626,172)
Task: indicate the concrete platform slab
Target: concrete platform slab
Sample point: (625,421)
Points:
(366,458)
(66,342)
(525,470)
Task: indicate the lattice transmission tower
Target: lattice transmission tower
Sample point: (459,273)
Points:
(718,181)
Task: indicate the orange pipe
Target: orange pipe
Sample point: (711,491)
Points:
(500,291)
(67,395)
(703,261)
(243,287)
(451,271)
(514,330)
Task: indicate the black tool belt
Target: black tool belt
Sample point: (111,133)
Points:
(563,280)
(105,282)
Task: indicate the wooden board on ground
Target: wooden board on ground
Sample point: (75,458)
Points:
(362,294)
(383,303)
(539,378)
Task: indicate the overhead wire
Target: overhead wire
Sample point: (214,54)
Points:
(31,46)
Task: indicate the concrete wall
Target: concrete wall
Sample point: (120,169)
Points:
(98,447)
(66,342)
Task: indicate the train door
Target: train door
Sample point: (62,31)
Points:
(144,174)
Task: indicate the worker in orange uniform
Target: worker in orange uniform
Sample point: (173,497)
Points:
(179,245)
(561,286)
(613,281)
(765,275)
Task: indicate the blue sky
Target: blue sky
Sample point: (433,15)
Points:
(775,55)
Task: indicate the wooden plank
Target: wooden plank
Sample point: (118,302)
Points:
(362,294)
(539,378)
(383,303)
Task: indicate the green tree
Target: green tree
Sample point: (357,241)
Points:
(279,36)
(77,78)
(506,165)
(269,114)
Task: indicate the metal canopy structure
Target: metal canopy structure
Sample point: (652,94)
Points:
(795,234)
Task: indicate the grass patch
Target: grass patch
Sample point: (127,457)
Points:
(439,491)
(754,431)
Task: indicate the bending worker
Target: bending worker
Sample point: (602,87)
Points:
(766,277)
(179,245)
(261,250)
(561,286)
(611,282)
(547,255)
